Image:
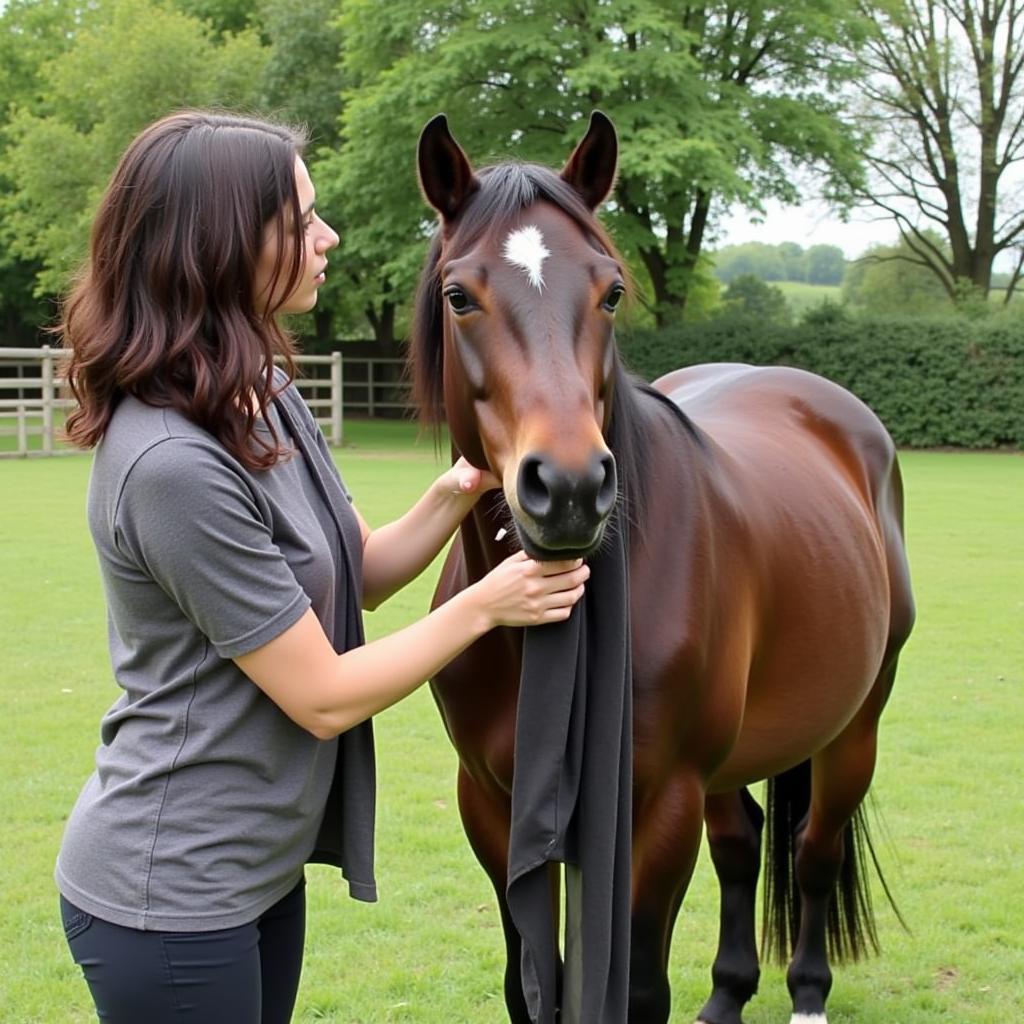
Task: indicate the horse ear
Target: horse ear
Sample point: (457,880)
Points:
(446,176)
(591,168)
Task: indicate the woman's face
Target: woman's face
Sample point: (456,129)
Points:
(319,238)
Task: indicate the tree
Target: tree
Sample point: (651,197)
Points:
(887,279)
(31,32)
(126,64)
(715,103)
(764,261)
(787,261)
(794,259)
(944,97)
(825,264)
(749,296)
(302,84)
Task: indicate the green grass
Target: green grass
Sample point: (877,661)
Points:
(34,432)
(802,296)
(949,782)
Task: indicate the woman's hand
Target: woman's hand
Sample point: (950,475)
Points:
(465,479)
(396,553)
(522,592)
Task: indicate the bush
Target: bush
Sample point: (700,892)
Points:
(933,382)
(749,296)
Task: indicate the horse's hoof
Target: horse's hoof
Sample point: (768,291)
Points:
(808,1018)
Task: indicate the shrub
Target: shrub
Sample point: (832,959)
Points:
(934,382)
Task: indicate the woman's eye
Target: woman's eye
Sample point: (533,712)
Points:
(613,298)
(457,299)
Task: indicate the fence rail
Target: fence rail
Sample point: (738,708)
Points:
(334,386)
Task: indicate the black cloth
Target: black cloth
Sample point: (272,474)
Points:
(572,800)
(346,837)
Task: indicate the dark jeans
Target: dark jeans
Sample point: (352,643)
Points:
(244,975)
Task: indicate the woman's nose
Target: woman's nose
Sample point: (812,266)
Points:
(328,239)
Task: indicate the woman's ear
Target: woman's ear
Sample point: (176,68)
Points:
(446,177)
(591,168)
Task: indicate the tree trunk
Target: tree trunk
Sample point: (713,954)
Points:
(323,329)
(383,323)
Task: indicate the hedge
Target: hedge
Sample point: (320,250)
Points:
(934,382)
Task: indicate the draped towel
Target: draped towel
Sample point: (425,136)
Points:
(572,800)
(346,837)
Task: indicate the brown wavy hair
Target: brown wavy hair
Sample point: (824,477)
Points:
(164,308)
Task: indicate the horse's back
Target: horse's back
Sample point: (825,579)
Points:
(733,401)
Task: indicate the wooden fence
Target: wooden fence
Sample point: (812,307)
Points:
(33,401)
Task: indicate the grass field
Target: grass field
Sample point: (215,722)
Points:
(950,785)
(802,296)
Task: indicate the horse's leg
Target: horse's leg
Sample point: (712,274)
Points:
(734,824)
(486,815)
(840,778)
(666,840)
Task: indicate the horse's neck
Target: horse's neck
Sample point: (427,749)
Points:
(657,441)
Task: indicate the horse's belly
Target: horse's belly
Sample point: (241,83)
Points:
(809,677)
(823,626)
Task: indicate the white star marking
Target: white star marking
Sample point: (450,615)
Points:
(525,248)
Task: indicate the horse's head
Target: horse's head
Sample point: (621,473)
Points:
(513,334)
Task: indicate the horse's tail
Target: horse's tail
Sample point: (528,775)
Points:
(851,918)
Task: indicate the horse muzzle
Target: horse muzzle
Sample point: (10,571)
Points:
(561,512)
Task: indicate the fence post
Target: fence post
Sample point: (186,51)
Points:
(22,430)
(48,399)
(336,405)
(369,387)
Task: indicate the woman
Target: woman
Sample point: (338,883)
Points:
(234,565)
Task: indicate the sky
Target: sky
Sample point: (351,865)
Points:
(811,223)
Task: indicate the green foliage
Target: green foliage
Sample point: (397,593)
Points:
(934,382)
(714,105)
(127,64)
(768,262)
(787,261)
(802,296)
(31,33)
(749,296)
(891,279)
(224,16)
(826,313)
(825,264)
(302,78)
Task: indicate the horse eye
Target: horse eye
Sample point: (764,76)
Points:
(457,299)
(613,298)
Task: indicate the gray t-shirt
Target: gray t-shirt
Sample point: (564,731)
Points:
(207,799)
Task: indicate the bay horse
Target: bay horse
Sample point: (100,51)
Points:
(769,593)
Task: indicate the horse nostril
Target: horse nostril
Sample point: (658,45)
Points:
(548,493)
(608,488)
(534,493)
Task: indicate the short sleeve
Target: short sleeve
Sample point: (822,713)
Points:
(188,518)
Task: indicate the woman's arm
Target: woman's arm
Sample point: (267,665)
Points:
(327,693)
(398,552)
